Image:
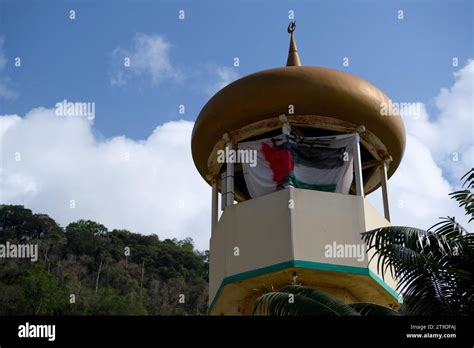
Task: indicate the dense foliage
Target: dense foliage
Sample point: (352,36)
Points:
(84,269)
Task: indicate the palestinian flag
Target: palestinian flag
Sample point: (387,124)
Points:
(313,163)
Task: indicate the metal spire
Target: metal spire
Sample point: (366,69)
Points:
(293,57)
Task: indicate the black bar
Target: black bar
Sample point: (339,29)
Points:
(223,330)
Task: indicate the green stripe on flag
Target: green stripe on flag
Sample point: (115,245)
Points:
(293,181)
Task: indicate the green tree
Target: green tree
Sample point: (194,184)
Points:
(110,302)
(84,237)
(20,224)
(41,293)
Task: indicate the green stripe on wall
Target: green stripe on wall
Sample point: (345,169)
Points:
(302,264)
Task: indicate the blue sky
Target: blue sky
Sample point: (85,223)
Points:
(72,59)
(118,168)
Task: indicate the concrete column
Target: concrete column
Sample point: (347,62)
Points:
(214,205)
(359,183)
(383,180)
(229,193)
(223,189)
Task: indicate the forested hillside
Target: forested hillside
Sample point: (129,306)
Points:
(84,269)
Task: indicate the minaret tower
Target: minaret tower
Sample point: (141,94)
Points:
(306,227)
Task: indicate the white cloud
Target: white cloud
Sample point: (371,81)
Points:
(418,192)
(150,56)
(5,91)
(224,76)
(450,134)
(429,170)
(157,190)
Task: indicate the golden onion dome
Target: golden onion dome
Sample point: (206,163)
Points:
(311,98)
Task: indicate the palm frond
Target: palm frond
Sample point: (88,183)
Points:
(372,309)
(461,242)
(434,268)
(319,297)
(465,197)
(298,300)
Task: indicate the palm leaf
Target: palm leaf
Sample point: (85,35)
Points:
(298,300)
(371,309)
(433,268)
(320,297)
(465,197)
